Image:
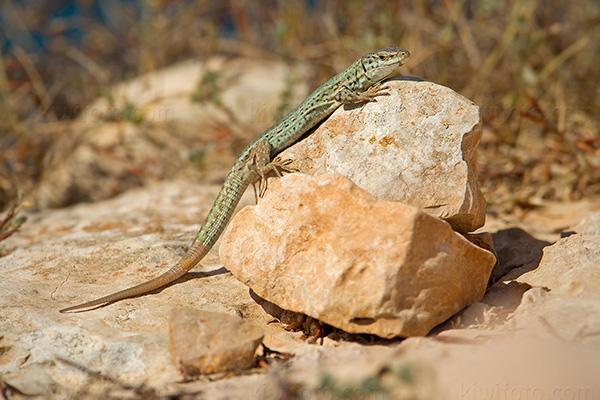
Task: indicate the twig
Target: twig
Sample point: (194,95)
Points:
(90,65)
(36,80)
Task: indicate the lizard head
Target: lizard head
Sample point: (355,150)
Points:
(383,63)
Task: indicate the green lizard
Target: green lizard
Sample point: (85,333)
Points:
(358,83)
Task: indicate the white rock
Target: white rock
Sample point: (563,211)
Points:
(415,146)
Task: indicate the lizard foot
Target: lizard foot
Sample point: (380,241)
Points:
(347,96)
(278,166)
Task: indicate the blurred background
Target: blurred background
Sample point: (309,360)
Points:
(532,66)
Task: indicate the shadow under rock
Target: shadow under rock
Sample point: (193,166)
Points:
(304,322)
(518,253)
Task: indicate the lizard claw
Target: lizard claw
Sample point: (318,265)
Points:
(277,166)
(376,90)
(347,96)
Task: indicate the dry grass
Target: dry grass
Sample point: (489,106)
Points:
(531,65)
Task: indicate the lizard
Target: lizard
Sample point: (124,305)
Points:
(359,83)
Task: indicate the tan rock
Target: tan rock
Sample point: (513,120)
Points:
(564,297)
(415,146)
(62,257)
(82,252)
(35,383)
(97,161)
(483,240)
(590,225)
(205,343)
(571,266)
(479,364)
(554,217)
(575,319)
(326,248)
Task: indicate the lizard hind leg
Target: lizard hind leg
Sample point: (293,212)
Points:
(260,164)
(277,166)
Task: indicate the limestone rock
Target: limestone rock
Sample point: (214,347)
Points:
(590,225)
(156,125)
(415,146)
(192,92)
(61,257)
(31,384)
(321,246)
(564,295)
(483,240)
(205,343)
(573,318)
(97,161)
(571,266)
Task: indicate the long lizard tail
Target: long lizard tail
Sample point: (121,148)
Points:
(218,216)
(193,256)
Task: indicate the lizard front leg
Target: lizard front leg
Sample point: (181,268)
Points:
(349,96)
